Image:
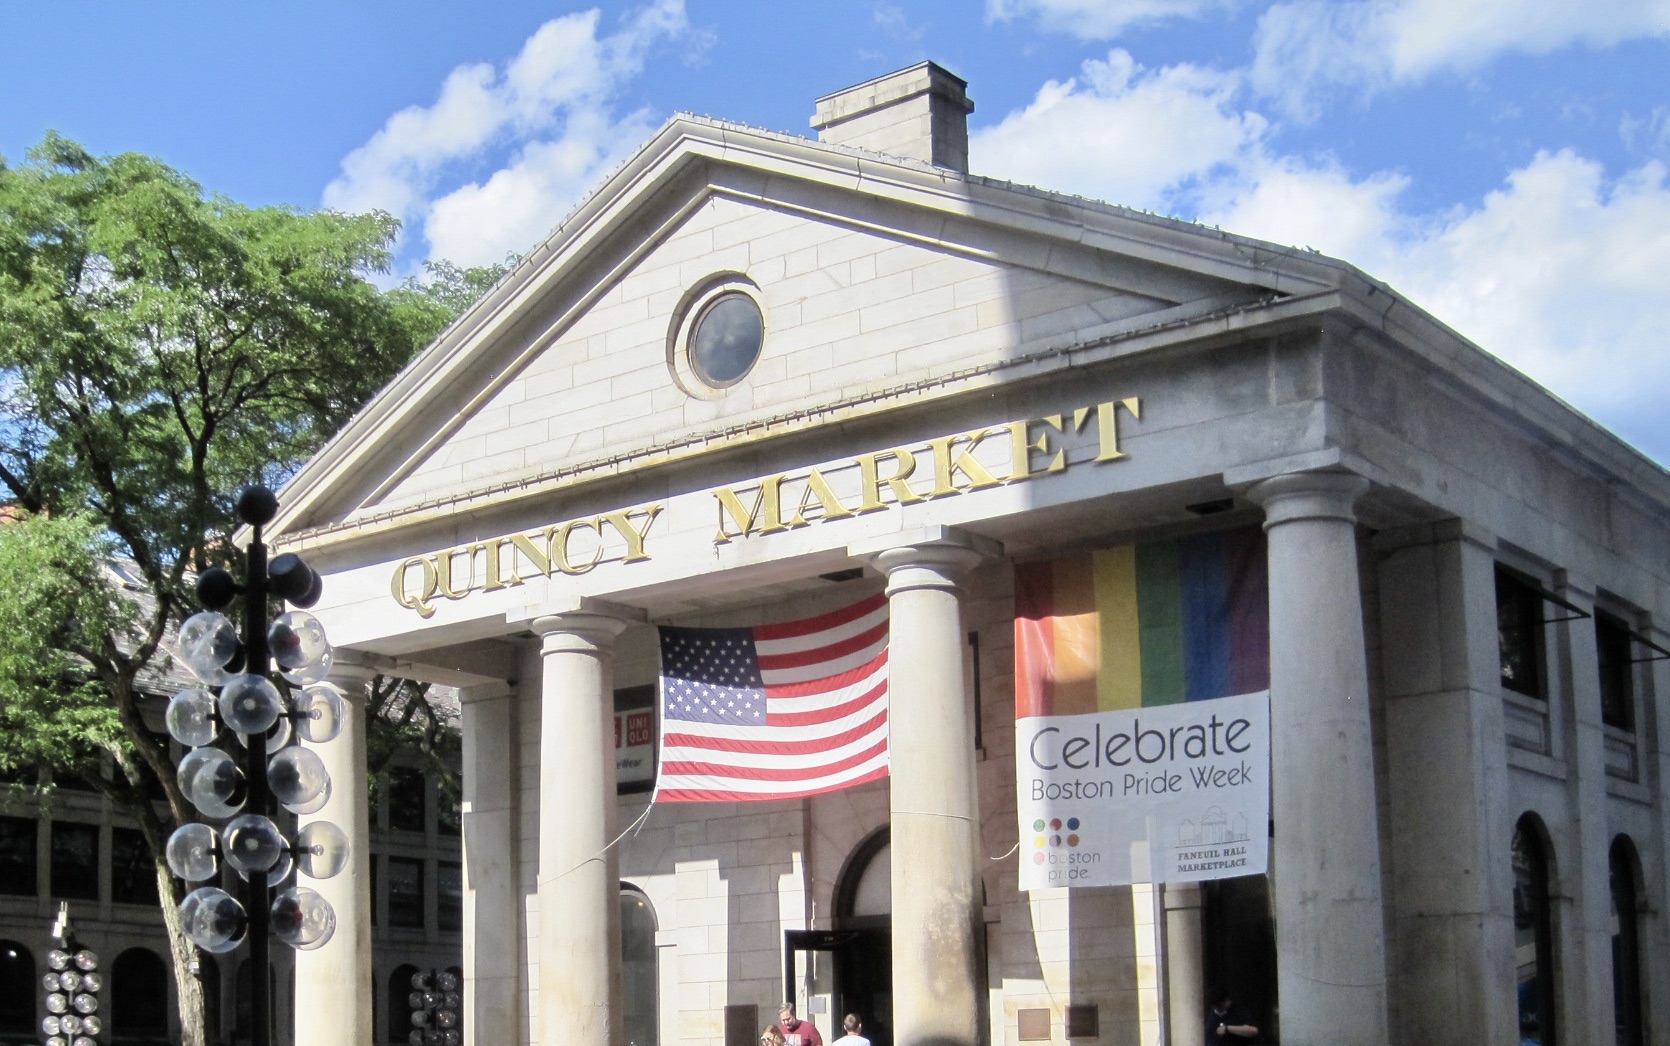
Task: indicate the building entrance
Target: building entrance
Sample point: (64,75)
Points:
(862,963)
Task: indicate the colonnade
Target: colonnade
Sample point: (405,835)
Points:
(1326,863)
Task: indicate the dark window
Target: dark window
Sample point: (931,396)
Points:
(1519,621)
(449,816)
(133,873)
(75,861)
(1617,682)
(17,856)
(1627,1005)
(138,995)
(1533,935)
(18,991)
(635,740)
(405,892)
(640,982)
(727,339)
(405,792)
(449,896)
(398,1003)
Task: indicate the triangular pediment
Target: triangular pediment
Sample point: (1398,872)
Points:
(878,280)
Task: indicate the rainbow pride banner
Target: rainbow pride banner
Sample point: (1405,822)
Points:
(1142,749)
(1142,625)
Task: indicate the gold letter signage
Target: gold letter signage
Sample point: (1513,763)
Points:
(946,466)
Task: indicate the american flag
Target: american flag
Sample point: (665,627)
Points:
(776,711)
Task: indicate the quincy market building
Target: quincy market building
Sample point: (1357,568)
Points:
(955,387)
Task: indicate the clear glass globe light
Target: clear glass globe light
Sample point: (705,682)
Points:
(314,805)
(318,713)
(50,982)
(297,640)
(280,870)
(92,1025)
(316,672)
(213,919)
(57,1040)
(69,981)
(447,981)
(190,852)
(420,980)
(85,1003)
(302,918)
(253,844)
(250,704)
(207,642)
(212,781)
(82,1040)
(452,1037)
(276,738)
(321,849)
(70,1023)
(191,717)
(445,1019)
(57,1002)
(296,776)
(86,959)
(92,982)
(415,1037)
(58,959)
(49,1024)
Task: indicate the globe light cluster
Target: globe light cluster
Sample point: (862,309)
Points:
(435,1003)
(242,792)
(72,1001)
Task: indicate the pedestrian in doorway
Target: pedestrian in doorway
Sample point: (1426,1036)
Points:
(1228,1024)
(795,1031)
(854,1029)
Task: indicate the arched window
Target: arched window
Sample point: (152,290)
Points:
(639,975)
(1533,932)
(397,1006)
(18,990)
(1626,943)
(138,996)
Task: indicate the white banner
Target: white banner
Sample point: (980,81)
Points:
(1172,793)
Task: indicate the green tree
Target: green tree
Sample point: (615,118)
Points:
(160,349)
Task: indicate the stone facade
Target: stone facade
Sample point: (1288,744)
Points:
(958,375)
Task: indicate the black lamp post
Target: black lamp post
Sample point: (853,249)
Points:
(265,720)
(72,987)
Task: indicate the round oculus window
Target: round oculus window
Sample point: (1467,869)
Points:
(726,340)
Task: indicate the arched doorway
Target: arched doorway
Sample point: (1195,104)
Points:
(1629,1013)
(863,950)
(18,990)
(1533,932)
(640,977)
(139,998)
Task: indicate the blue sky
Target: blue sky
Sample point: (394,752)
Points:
(1501,162)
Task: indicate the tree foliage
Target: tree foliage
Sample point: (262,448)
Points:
(160,349)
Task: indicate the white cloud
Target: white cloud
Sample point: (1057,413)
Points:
(1121,133)
(551,105)
(1559,271)
(1306,45)
(1099,19)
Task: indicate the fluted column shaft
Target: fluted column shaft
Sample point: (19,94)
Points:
(1330,932)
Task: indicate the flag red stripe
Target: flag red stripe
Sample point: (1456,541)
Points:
(825,715)
(833,619)
(801,658)
(680,768)
(713,795)
(820,744)
(828,684)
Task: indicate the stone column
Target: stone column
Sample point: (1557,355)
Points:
(1447,778)
(1330,927)
(937,971)
(579,878)
(492,965)
(1185,965)
(333,983)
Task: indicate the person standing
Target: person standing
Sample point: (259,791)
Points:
(796,1032)
(1228,1024)
(853,1028)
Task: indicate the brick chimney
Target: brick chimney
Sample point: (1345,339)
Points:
(920,113)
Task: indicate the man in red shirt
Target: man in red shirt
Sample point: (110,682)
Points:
(796,1032)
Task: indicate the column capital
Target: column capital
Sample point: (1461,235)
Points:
(351,671)
(932,557)
(469,695)
(582,626)
(1294,496)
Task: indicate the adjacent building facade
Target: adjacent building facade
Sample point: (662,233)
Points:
(754,377)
